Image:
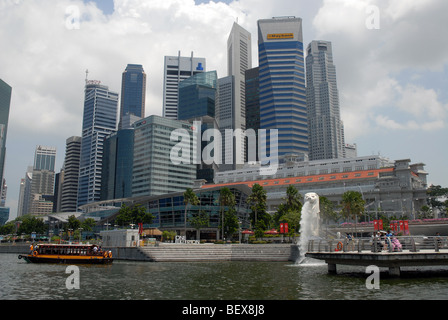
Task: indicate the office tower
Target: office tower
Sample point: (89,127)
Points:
(239,59)
(197,102)
(177,69)
(69,192)
(326,129)
(99,121)
(154,172)
(5,103)
(43,179)
(282,83)
(23,206)
(252,104)
(133,92)
(197,96)
(118,156)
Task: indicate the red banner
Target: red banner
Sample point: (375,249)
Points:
(283,227)
(377,225)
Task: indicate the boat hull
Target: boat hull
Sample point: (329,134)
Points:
(66,260)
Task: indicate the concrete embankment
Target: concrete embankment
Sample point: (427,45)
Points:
(208,252)
(15,248)
(192,252)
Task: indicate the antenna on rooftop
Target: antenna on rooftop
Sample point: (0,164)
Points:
(87,75)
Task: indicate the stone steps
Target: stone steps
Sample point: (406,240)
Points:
(185,252)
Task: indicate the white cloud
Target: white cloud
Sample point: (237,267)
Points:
(45,62)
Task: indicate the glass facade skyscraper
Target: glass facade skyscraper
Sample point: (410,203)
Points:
(133,92)
(197,96)
(99,121)
(5,103)
(282,83)
(118,156)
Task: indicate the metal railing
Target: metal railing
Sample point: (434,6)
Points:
(380,244)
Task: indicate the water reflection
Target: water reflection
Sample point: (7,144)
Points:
(211,281)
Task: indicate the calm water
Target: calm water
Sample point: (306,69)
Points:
(211,281)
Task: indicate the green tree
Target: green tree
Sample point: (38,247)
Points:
(190,198)
(327,210)
(290,210)
(226,199)
(32,224)
(352,205)
(257,202)
(88,224)
(132,215)
(199,221)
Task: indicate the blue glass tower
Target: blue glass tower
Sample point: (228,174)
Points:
(197,96)
(5,102)
(133,92)
(99,121)
(282,83)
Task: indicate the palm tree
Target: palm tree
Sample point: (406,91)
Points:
(257,199)
(226,199)
(352,205)
(189,198)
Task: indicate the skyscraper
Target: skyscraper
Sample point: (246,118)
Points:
(177,69)
(252,102)
(154,173)
(133,92)
(282,83)
(71,174)
(5,103)
(42,184)
(99,121)
(118,156)
(324,121)
(232,110)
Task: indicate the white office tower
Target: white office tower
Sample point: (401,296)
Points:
(231,113)
(177,69)
(326,129)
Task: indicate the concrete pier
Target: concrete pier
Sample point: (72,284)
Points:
(415,251)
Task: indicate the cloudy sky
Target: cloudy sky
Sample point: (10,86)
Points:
(391,58)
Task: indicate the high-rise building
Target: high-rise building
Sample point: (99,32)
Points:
(23,206)
(5,103)
(252,103)
(197,102)
(239,59)
(118,156)
(133,92)
(197,96)
(69,192)
(99,121)
(177,69)
(43,180)
(282,83)
(154,172)
(326,129)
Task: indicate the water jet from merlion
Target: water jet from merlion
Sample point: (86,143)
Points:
(309,223)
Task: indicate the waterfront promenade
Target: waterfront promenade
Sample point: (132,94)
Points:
(411,251)
(170,252)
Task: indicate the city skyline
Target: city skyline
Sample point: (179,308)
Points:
(393,94)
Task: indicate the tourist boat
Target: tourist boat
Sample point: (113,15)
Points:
(68,254)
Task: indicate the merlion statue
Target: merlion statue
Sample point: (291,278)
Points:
(309,223)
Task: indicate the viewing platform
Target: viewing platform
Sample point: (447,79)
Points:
(409,251)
